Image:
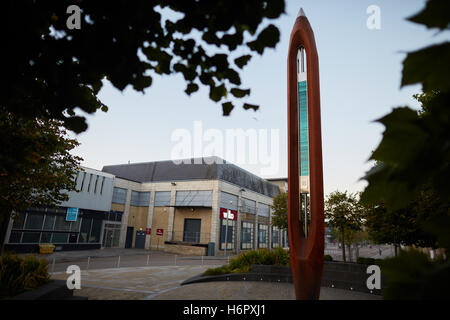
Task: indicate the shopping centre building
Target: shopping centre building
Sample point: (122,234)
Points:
(199,206)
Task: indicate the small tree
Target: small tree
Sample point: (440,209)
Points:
(280,211)
(343,213)
(35,165)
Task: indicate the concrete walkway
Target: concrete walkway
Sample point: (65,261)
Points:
(164,283)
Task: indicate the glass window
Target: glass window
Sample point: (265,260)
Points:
(34,221)
(61,224)
(85,229)
(46,237)
(31,237)
(60,237)
(19,221)
(246,235)
(49,222)
(262,236)
(228,229)
(275,237)
(75,225)
(15,237)
(95,231)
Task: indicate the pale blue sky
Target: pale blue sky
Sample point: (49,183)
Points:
(360,74)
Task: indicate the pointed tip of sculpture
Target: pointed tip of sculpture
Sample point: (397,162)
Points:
(301,13)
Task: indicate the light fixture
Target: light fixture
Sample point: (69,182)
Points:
(173,183)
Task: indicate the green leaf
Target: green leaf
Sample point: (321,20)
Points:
(268,38)
(429,66)
(226,108)
(434,15)
(239,93)
(242,61)
(216,93)
(191,87)
(247,106)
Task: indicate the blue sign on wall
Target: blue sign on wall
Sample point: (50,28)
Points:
(72,214)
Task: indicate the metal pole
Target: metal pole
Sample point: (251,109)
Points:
(202,260)
(53,265)
(118,262)
(175,259)
(88,262)
(148,258)
(226,235)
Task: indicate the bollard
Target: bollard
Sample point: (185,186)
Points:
(118,262)
(202,260)
(175,259)
(148,257)
(88,262)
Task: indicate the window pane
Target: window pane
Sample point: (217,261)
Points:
(95,231)
(61,224)
(18,222)
(46,237)
(34,221)
(31,237)
(60,237)
(15,237)
(85,229)
(49,222)
(75,225)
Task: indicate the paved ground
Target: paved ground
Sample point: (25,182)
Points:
(113,258)
(164,283)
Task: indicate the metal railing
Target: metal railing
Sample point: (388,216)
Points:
(190,237)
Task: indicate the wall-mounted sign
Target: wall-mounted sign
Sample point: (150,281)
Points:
(228,214)
(159,232)
(72,214)
(148,231)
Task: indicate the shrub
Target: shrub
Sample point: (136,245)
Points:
(242,263)
(369,261)
(18,275)
(327,257)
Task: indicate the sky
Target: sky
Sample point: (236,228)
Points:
(360,76)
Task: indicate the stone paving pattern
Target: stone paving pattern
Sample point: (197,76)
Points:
(164,283)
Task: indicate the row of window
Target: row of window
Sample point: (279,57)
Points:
(37,227)
(90,182)
(247,235)
(190,198)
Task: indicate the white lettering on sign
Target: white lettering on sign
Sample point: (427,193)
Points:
(228,215)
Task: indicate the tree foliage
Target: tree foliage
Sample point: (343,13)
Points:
(35,165)
(49,70)
(280,211)
(406,226)
(415,152)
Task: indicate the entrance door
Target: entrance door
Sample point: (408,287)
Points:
(129,238)
(140,240)
(191,231)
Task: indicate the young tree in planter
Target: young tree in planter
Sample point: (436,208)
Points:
(35,165)
(343,212)
(280,212)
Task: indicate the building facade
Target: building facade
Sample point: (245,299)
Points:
(75,224)
(186,206)
(182,208)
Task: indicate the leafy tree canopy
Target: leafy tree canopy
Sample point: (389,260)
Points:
(49,70)
(35,165)
(415,149)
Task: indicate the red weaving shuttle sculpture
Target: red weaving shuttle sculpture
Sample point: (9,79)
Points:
(306,252)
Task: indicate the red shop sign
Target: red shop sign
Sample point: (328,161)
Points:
(228,213)
(159,232)
(148,231)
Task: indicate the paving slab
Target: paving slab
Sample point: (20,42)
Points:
(164,283)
